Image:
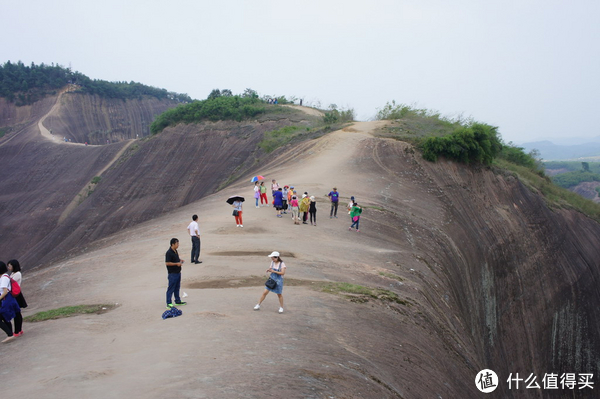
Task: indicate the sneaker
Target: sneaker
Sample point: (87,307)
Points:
(180,303)
(18,334)
(8,339)
(170,305)
(257,206)
(241,225)
(257,307)
(280,310)
(357,230)
(349,228)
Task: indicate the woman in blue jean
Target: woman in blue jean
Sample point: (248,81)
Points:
(277,271)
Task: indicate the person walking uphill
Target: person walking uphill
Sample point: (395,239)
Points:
(277,270)
(334,196)
(173,264)
(195,234)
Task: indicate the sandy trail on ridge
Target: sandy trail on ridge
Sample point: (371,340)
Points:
(220,347)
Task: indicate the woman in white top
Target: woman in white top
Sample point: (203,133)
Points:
(14,268)
(237,206)
(9,307)
(277,271)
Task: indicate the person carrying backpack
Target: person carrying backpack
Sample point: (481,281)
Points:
(9,307)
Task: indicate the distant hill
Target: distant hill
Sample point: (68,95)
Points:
(25,84)
(554,152)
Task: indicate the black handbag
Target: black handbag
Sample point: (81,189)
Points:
(271,284)
(21,300)
(235,212)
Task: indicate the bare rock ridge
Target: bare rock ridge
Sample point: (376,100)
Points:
(474,269)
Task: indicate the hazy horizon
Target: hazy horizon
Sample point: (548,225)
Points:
(529,68)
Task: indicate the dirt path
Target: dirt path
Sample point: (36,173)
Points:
(308,110)
(220,348)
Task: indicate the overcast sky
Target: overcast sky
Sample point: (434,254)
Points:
(529,67)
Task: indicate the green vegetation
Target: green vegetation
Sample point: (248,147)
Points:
(96,180)
(391,275)
(477,143)
(571,179)
(68,311)
(27,84)
(573,166)
(334,115)
(413,124)
(359,293)
(279,137)
(466,141)
(2,132)
(215,108)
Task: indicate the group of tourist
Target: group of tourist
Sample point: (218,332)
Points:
(11,299)
(284,199)
(302,207)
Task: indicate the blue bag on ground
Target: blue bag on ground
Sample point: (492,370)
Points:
(173,312)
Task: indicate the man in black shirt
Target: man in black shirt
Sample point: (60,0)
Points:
(173,264)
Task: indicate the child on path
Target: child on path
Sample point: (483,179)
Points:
(256,192)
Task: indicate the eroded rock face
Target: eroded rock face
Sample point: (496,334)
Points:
(507,283)
(93,119)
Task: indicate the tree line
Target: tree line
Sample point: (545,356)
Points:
(26,84)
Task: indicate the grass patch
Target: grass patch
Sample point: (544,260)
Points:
(69,311)
(361,294)
(280,137)
(391,275)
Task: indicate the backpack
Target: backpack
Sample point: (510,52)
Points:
(15,289)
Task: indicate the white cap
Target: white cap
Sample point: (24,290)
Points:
(275,254)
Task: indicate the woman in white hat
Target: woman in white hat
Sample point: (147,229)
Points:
(277,271)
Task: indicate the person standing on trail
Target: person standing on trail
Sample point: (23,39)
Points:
(312,210)
(237,213)
(284,199)
(274,188)
(173,264)
(294,206)
(304,206)
(334,196)
(263,194)
(277,270)
(195,234)
(256,192)
(278,201)
(355,214)
(350,206)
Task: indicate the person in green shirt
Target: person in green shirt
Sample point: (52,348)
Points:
(355,213)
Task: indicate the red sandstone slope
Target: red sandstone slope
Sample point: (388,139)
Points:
(46,183)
